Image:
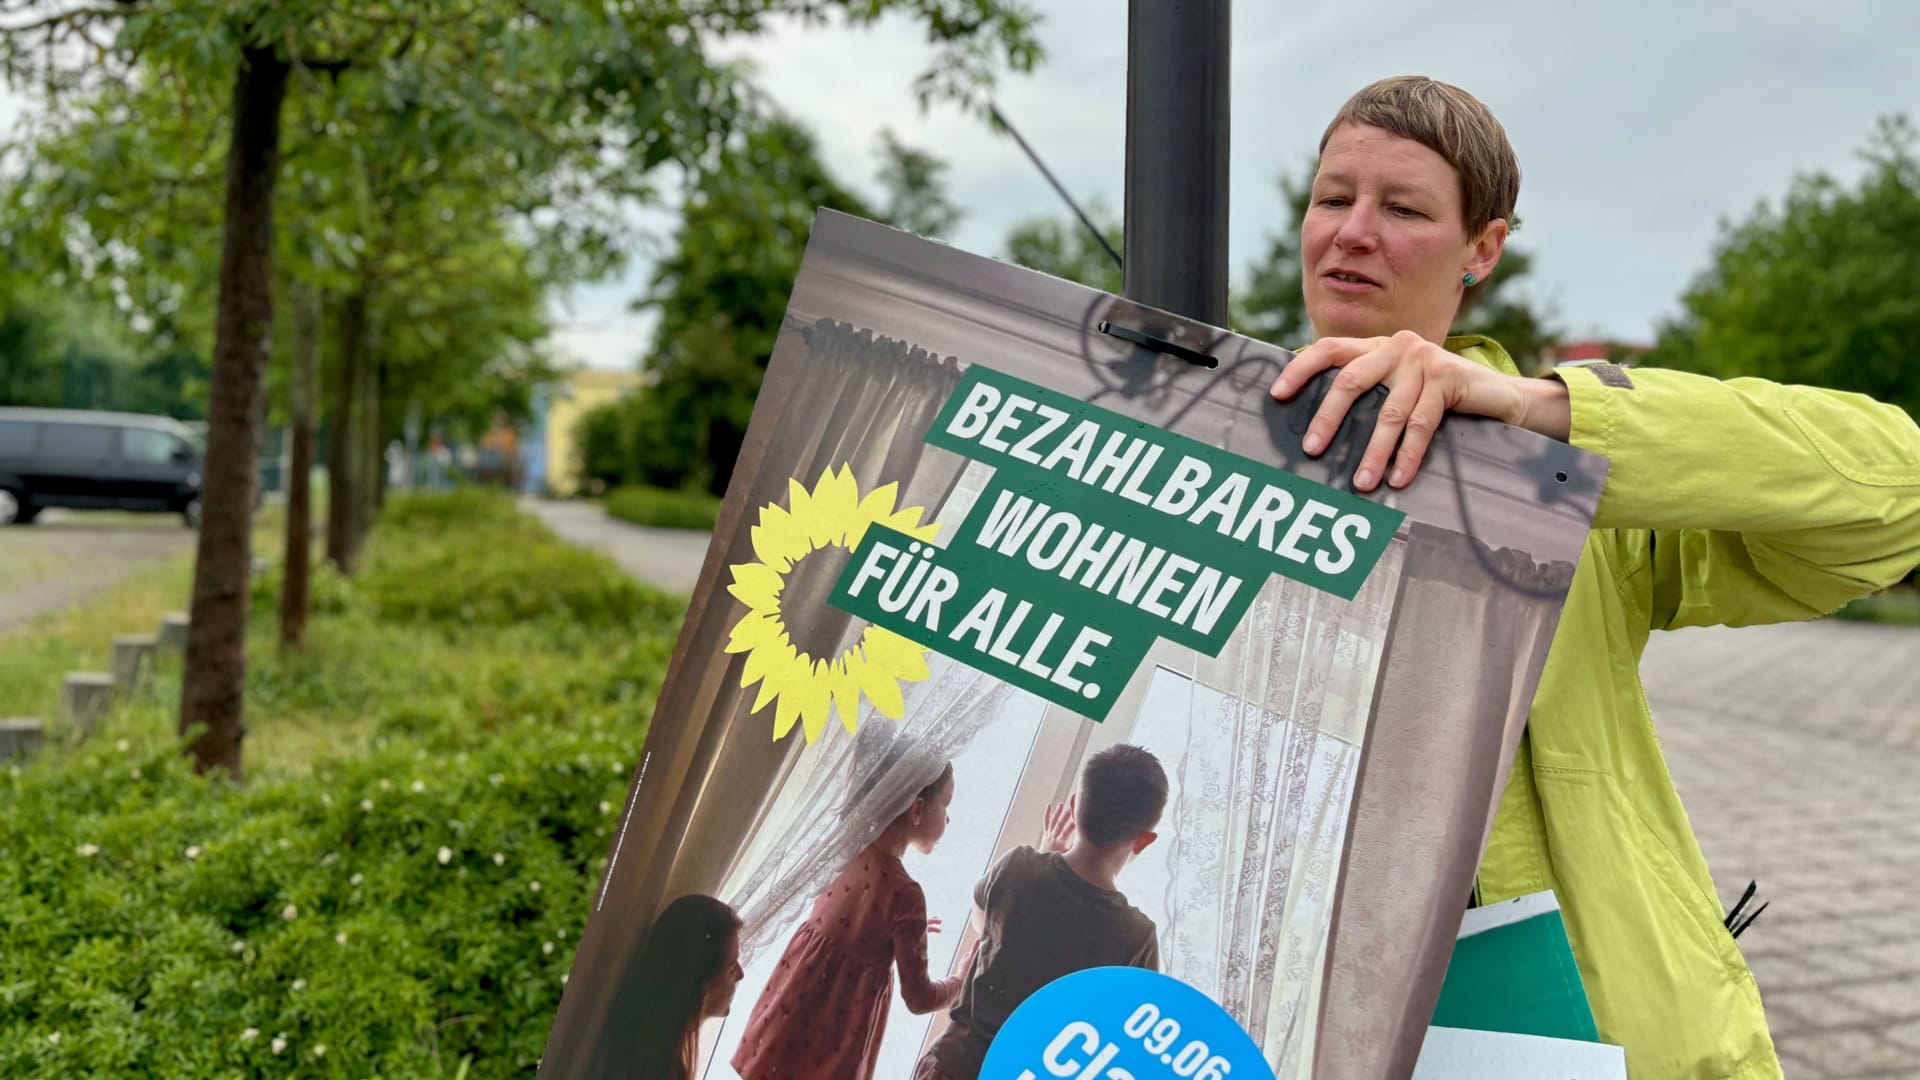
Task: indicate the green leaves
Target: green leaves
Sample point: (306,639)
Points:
(404,901)
(1062,247)
(1820,288)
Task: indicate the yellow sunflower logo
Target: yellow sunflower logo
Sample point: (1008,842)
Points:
(833,514)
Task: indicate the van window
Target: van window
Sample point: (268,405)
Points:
(149,447)
(16,438)
(78,441)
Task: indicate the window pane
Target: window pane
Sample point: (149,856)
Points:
(16,437)
(148,446)
(77,441)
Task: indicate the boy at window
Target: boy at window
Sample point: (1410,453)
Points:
(1048,913)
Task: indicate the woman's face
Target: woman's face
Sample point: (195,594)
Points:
(720,991)
(1384,244)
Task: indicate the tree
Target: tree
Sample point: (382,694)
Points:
(214,672)
(722,291)
(916,190)
(1063,247)
(1272,307)
(297,557)
(590,93)
(1820,289)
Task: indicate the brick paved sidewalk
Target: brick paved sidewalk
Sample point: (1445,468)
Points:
(1797,750)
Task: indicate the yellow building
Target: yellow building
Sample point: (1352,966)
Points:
(558,425)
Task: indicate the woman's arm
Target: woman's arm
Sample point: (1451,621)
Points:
(1758,502)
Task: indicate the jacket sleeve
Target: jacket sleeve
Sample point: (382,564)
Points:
(1750,501)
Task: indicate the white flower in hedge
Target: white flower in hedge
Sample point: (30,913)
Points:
(54,1038)
(193,852)
(386,784)
(446,855)
(320,1050)
(279,1043)
(496,779)
(123,746)
(618,766)
(326,799)
(250,1034)
(290,913)
(340,938)
(563,978)
(299,985)
(134,772)
(88,851)
(356,879)
(239,946)
(366,804)
(499,859)
(533,885)
(419,786)
(606,807)
(285,843)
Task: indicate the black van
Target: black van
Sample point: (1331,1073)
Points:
(96,461)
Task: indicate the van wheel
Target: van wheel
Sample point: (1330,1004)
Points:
(191,513)
(14,510)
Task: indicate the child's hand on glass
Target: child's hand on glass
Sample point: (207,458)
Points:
(1058,834)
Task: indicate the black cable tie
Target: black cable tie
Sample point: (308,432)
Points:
(1160,345)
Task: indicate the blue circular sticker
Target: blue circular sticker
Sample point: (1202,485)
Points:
(1122,1023)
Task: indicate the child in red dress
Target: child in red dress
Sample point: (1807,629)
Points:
(824,1012)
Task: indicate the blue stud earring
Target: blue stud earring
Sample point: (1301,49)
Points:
(1470,280)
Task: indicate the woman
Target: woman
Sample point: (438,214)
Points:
(1727,503)
(688,971)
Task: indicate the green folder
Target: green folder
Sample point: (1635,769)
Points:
(1513,971)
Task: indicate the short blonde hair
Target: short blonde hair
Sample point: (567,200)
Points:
(1452,123)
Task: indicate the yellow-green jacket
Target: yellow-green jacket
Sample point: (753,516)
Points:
(1728,503)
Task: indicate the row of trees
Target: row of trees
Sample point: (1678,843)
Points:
(376,199)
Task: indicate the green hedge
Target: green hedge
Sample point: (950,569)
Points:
(665,509)
(1899,606)
(404,906)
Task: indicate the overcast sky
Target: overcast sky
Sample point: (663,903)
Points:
(1638,127)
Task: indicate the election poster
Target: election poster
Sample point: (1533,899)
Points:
(1030,642)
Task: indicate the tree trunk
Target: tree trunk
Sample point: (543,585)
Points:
(343,434)
(213,685)
(372,460)
(296,584)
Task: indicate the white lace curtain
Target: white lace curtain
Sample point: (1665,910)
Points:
(1261,745)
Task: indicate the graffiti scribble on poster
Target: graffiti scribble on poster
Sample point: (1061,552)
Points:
(803,688)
